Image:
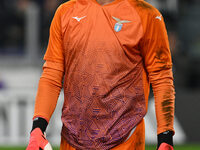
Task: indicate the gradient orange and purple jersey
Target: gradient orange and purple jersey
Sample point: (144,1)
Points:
(108,56)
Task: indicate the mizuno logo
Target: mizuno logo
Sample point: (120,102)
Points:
(119,24)
(159,17)
(79,19)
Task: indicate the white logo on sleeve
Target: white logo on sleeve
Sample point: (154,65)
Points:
(159,17)
(79,19)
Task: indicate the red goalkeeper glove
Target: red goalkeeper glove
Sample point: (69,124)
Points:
(165,141)
(165,146)
(38,141)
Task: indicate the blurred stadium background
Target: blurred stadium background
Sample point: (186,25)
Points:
(24,27)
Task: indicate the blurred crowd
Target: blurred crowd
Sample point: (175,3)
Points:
(12,23)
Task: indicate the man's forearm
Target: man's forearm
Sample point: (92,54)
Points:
(163,88)
(49,89)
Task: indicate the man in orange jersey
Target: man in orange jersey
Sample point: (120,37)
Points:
(108,52)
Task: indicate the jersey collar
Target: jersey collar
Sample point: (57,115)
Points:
(111,3)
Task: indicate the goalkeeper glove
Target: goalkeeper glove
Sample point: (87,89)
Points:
(38,140)
(165,141)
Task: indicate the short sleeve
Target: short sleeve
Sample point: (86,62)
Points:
(54,50)
(155,44)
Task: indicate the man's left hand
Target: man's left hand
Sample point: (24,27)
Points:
(165,146)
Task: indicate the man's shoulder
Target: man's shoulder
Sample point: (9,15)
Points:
(67,5)
(144,8)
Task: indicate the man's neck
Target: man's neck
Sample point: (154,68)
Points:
(104,2)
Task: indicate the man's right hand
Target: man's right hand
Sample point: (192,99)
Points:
(38,141)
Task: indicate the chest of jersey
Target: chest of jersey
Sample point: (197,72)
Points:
(114,30)
(103,74)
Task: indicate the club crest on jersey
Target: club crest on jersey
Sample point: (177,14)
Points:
(118,26)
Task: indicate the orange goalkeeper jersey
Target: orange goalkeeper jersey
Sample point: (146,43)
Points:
(109,55)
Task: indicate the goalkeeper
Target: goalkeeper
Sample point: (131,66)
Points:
(108,52)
